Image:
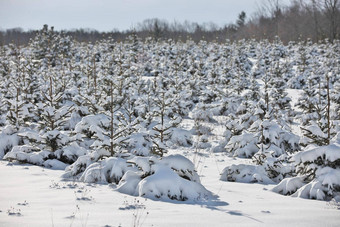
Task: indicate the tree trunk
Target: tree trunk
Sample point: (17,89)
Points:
(111,122)
(328,111)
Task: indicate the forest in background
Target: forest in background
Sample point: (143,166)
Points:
(299,20)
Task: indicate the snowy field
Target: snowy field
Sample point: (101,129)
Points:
(36,196)
(164,133)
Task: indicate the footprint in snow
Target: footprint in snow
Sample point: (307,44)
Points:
(18,214)
(14,212)
(25,203)
(71,216)
(265,211)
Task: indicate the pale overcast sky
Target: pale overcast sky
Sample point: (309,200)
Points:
(105,15)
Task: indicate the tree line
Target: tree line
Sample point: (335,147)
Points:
(299,20)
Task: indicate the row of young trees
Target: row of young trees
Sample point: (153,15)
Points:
(62,100)
(103,76)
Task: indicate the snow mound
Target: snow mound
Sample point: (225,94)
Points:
(80,165)
(245,174)
(325,186)
(181,137)
(27,154)
(218,147)
(106,171)
(143,163)
(330,153)
(243,145)
(289,185)
(129,183)
(139,145)
(178,163)
(318,174)
(336,138)
(70,154)
(7,141)
(91,125)
(270,134)
(313,190)
(168,178)
(55,164)
(36,156)
(165,184)
(182,166)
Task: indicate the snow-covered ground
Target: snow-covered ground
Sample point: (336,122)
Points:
(36,196)
(294,94)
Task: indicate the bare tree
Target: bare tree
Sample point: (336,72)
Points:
(332,14)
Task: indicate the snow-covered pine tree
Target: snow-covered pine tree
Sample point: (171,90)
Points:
(317,174)
(241,66)
(336,99)
(53,112)
(50,46)
(321,131)
(115,84)
(164,119)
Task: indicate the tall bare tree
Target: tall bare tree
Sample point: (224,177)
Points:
(332,10)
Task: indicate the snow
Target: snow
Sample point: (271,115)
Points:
(178,162)
(73,151)
(55,164)
(294,95)
(143,163)
(92,123)
(129,183)
(112,148)
(313,190)
(329,177)
(289,185)
(243,145)
(151,177)
(330,152)
(82,163)
(109,170)
(325,183)
(52,201)
(316,131)
(166,185)
(26,154)
(7,141)
(182,166)
(31,134)
(181,137)
(245,174)
(139,144)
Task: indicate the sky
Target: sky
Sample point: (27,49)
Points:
(107,15)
